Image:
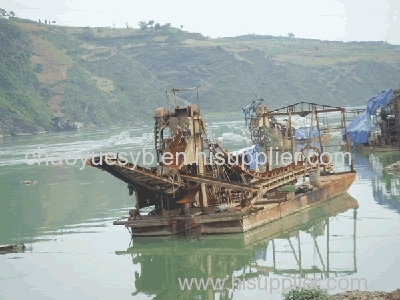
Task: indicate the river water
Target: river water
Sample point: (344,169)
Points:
(74,252)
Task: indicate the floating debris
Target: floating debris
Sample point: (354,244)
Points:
(12,248)
(28,182)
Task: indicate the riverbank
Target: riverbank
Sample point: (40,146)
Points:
(366,295)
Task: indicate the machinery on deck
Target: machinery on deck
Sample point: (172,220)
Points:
(195,179)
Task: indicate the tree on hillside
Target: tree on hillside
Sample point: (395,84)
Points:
(142,25)
(12,14)
(290,34)
(40,22)
(151,22)
(87,34)
(166,27)
(157,26)
(3,13)
(127,25)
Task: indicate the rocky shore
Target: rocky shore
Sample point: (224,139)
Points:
(366,295)
(13,126)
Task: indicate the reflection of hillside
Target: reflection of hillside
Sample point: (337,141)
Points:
(278,249)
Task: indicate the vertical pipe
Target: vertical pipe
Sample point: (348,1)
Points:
(319,132)
(291,135)
(210,292)
(169,104)
(319,254)
(327,246)
(347,139)
(299,246)
(197,94)
(354,239)
(295,257)
(273,254)
(198,141)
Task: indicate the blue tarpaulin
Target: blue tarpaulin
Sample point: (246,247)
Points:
(361,126)
(303,133)
(359,129)
(249,108)
(380,100)
(250,156)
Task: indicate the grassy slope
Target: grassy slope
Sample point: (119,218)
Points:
(120,76)
(23,104)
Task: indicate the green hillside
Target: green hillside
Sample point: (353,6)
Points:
(107,76)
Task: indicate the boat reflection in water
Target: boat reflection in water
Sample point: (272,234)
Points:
(386,187)
(316,243)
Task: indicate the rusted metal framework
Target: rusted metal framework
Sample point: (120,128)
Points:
(389,124)
(196,177)
(263,121)
(256,122)
(304,108)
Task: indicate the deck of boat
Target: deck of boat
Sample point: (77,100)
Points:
(236,220)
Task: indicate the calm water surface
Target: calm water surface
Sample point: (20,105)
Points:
(74,251)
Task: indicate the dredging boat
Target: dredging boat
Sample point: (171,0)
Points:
(196,184)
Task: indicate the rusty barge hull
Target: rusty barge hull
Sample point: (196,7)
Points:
(281,228)
(332,185)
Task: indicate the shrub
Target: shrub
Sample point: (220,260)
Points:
(306,294)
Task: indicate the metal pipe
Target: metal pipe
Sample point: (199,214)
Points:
(347,140)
